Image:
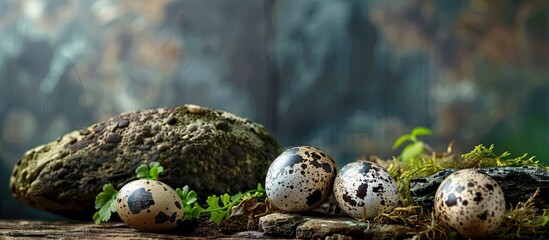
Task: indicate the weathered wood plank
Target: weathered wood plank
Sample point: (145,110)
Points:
(199,229)
(75,230)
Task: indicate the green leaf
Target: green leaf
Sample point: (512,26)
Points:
(412,151)
(180,194)
(260,191)
(236,197)
(191,201)
(154,173)
(149,172)
(401,140)
(225,199)
(105,202)
(193,212)
(155,170)
(107,194)
(191,198)
(196,211)
(421,131)
(217,217)
(142,172)
(213,202)
(154,164)
(187,209)
(159,170)
(113,203)
(259,194)
(96,218)
(185,190)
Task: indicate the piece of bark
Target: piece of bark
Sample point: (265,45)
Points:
(517,183)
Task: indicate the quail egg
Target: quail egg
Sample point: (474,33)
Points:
(300,179)
(149,205)
(364,189)
(471,202)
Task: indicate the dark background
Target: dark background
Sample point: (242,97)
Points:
(348,76)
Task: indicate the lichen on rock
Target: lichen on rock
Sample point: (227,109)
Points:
(210,150)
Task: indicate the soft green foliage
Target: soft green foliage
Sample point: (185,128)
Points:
(219,207)
(105,202)
(149,172)
(416,147)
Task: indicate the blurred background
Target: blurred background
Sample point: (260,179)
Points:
(348,76)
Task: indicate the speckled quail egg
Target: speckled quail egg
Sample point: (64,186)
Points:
(471,202)
(149,205)
(300,179)
(364,189)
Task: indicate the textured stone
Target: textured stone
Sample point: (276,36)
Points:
(64,176)
(280,224)
(320,226)
(517,183)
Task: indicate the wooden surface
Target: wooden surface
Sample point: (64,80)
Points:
(273,226)
(18,229)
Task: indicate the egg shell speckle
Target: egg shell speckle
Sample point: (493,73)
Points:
(149,205)
(364,189)
(300,179)
(471,202)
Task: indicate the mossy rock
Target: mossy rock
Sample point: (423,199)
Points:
(212,151)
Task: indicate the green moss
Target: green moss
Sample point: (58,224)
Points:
(479,157)
(416,168)
(482,156)
(523,220)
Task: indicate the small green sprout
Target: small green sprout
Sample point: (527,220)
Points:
(416,147)
(149,172)
(190,206)
(219,207)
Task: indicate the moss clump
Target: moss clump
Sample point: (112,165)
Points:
(522,221)
(482,156)
(479,157)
